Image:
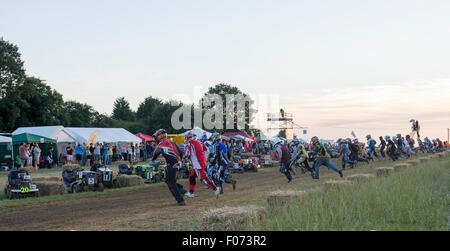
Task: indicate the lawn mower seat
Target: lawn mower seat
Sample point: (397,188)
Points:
(69,176)
(125,169)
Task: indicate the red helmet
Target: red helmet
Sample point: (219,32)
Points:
(158,135)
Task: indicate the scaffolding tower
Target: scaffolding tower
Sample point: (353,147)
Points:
(284,121)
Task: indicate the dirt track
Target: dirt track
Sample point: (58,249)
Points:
(148,208)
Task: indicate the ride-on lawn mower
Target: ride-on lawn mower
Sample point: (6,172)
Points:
(185,169)
(125,169)
(19,185)
(234,165)
(105,176)
(150,174)
(249,164)
(78,180)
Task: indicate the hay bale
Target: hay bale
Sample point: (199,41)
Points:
(413,162)
(400,167)
(71,166)
(337,184)
(28,169)
(130,180)
(440,155)
(50,187)
(423,159)
(284,198)
(384,171)
(232,218)
(361,177)
(47,179)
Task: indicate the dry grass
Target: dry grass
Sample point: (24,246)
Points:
(400,167)
(414,162)
(284,198)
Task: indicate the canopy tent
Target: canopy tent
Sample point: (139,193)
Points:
(31,138)
(145,137)
(197,131)
(5,140)
(58,133)
(242,138)
(44,142)
(6,151)
(243,134)
(107,135)
(263,138)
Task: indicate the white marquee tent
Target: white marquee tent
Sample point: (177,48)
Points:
(107,135)
(59,133)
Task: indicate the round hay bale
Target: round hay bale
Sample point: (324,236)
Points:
(413,162)
(130,180)
(47,179)
(284,198)
(232,218)
(384,171)
(361,177)
(50,187)
(337,184)
(400,167)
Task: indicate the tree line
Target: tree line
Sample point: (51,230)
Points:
(29,101)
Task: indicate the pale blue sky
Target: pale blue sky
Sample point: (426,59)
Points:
(96,51)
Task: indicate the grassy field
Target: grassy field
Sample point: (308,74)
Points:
(414,199)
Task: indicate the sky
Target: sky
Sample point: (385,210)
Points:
(339,66)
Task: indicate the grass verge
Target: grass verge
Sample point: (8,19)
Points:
(416,199)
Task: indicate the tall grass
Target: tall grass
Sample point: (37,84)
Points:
(414,199)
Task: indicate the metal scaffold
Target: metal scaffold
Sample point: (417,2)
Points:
(284,121)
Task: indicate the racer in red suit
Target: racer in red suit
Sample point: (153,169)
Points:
(195,151)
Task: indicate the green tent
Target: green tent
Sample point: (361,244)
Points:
(28,138)
(31,138)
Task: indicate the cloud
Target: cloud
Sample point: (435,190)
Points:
(377,107)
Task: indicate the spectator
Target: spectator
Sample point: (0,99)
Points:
(48,159)
(23,154)
(78,153)
(97,151)
(37,155)
(69,155)
(106,154)
(110,153)
(84,156)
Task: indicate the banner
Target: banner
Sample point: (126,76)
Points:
(92,138)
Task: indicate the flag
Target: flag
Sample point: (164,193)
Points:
(353,134)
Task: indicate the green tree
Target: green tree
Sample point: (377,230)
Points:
(80,115)
(147,107)
(122,110)
(223,90)
(12,74)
